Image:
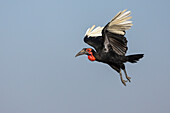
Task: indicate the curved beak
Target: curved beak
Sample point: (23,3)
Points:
(82,52)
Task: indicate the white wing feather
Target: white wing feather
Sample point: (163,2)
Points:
(91,32)
(117,25)
(120,23)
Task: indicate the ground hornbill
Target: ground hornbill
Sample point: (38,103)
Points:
(110,44)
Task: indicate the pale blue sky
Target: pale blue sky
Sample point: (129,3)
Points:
(39,73)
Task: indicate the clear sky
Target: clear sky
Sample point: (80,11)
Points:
(39,73)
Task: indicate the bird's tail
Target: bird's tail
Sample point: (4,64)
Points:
(134,58)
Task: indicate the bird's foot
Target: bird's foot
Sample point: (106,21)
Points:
(124,82)
(128,78)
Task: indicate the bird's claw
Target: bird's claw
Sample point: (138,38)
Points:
(124,82)
(128,78)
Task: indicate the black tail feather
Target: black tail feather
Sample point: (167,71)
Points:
(134,58)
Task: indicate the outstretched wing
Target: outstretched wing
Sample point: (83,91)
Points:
(114,32)
(112,35)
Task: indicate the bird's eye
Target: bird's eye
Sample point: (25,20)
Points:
(88,50)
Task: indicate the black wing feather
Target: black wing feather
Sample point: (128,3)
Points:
(96,42)
(118,43)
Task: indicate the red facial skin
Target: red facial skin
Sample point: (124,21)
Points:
(90,57)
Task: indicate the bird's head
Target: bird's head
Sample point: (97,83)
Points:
(87,51)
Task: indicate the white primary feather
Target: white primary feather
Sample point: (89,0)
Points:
(91,32)
(87,32)
(120,23)
(124,14)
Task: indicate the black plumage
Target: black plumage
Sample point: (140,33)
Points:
(110,44)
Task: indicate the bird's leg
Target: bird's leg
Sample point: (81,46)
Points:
(128,78)
(121,78)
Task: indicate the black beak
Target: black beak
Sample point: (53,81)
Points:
(82,52)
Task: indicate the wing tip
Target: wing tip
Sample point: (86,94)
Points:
(120,21)
(94,32)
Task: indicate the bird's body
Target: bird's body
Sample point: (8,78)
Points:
(110,44)
(100,54)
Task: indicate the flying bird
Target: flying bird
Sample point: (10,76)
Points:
(110,44)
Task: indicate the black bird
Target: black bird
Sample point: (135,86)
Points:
(110,44)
